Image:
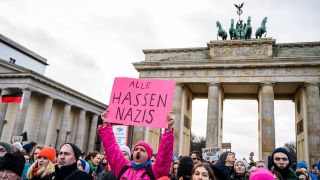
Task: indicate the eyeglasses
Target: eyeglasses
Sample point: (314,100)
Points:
(79,164)
(198,159)
(278,159)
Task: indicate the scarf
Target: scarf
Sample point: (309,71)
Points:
(137,167)
(35,171)
(92,166)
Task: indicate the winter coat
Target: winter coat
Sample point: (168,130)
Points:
(70,172)
(222,171)
(234,176)
(47,177)
(117,161)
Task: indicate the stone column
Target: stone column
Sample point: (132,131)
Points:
(313,121)
(81,129)
(212,134)
(266,114)
(43,128)
(22,114)
(93,132)
(3,110)
(176,108)
(64,125)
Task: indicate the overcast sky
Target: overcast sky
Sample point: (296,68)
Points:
(88,43)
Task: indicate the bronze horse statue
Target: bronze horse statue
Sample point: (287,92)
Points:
(221,33)
(248,29)
(261,30)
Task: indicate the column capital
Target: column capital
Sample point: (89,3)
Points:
(311,84)
(266,84)
(179,84)
(213,84)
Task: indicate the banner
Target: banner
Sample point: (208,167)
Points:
(210,154)
(140,102)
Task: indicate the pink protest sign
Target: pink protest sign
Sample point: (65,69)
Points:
(140,102)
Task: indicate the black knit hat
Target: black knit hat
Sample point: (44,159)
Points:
(223,156)
(185,167)
(76,150)
(13,162)
(282,150)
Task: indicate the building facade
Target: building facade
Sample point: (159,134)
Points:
(257,69)
(50,112)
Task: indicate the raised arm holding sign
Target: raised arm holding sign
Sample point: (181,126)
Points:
(140,102)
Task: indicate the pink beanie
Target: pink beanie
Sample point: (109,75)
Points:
(147,146)
(261,174)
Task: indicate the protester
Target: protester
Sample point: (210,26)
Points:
(196,156)
(281,161)
(142,153)
(185,167)
(224,167)
(33,158)
(29,147)
(43,167)
(302,167)
(26,157)
(66,167)
(261,164)
(126,152)
(5,148)
(240,170)
(11,166)
(153,158)
(202,171)
(173,170)
(94,159)
(17,147)
(261,174)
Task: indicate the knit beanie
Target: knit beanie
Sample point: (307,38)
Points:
(185,167)
(76,150)
(126,149)
(282,150)
(147,146)
(48,152)
(261,174)
(223,156)
(28,147)
(13,162)
(8,146)
(245,164)
(302,164)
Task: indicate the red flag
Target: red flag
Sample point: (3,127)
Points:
(12,98)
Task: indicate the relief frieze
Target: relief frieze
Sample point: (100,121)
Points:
(240,51)
(233,72)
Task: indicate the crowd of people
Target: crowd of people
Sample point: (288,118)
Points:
(118,162)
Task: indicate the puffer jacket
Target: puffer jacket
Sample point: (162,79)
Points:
(117,161)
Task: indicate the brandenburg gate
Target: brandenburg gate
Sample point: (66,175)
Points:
(258,69)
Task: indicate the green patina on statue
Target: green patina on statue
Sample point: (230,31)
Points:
(242,31)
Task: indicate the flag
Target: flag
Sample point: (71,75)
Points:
(12,98)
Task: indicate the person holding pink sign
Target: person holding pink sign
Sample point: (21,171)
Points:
(140,167)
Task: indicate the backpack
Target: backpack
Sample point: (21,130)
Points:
(147,172)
